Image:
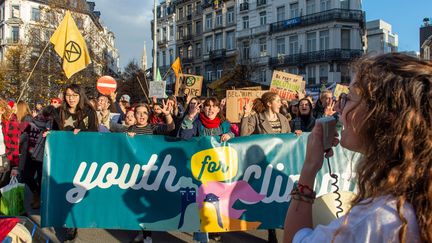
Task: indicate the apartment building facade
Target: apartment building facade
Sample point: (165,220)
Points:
(166,39)
(312,38)
(220,52)
(22,19)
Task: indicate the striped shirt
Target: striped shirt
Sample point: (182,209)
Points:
(150,129)
(276,126)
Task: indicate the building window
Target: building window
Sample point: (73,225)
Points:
(15,11)
(198,27)
(263,76)
(246,22)
(209,21)
(345,39)
(180,32)
(209,43)
(280,13)
(263,18)
(311,42)
(323,71)
(345,4)
(189,9)
(198,50)
(35,14)
(294,10)
(293,45)
(189,29)
(218,41)
(230,40)
(171,31)
(198,7)
(345,74)
(310,6)
(209,75)
(189,52)
(1,14)
(246,47)
(219,18)
(15,34)
(197,70)
(219,73)
(171,55)
(280,46)
(311,75)
(263,47)
(324,40)
(164,58)
(164,33)
(230,15)
(325,5)
(181,52)
(180,13)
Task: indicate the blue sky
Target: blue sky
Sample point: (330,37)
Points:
(130,21)
(405,16)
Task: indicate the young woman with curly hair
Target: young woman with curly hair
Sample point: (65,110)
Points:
(387,117)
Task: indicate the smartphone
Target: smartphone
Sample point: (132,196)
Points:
(329,130)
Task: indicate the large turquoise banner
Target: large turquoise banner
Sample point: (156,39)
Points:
(113,181)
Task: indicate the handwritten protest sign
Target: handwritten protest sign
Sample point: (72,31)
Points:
(188,84)
(237,99)
(157,89)
(339,90)
(287,85)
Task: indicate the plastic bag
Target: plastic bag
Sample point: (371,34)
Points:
(12,198)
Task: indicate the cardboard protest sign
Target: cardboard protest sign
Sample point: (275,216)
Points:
(157,89)
(188,84)
(287,85)
(237,99)
(339,90)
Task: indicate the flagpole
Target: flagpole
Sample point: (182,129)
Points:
(31,73)
(166,74)
(154,41)
(139,81)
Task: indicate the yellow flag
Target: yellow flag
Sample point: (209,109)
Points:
(176,66)
(70,46)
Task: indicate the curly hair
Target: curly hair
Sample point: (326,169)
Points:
(396,89)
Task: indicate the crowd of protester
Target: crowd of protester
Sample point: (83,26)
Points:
(23,130)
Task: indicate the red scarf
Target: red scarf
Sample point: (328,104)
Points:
(207,123)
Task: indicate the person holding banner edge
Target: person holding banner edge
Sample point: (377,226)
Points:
(75,114)
(387,117)
(266,120)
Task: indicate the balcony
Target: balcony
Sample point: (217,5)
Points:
(187,37)
(9,41)
(244,6)
(163,42)
(243,33)
(261,3)
(260,30)
(217,54)
(337,55)
(321,17)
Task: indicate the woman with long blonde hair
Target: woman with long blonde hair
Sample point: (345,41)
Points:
(387,117)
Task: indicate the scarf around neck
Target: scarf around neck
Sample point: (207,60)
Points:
(207,123)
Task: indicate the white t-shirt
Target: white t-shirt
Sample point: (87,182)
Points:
(2,144)
(375,222)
